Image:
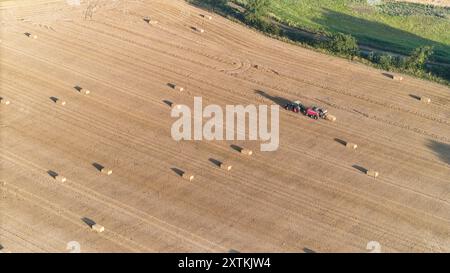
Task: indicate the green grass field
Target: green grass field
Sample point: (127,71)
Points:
(390,26)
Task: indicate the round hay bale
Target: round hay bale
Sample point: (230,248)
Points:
(351,145)
(60,178)
(35,36)
(246,151)
(106,171)
(187,176)
(330,118)
(85,91)
(201,30)
(98,228)
(397,77)
(225,166)
(372,173)
(425,100)
(3,101)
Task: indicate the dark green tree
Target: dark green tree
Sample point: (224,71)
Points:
(256,9)
(341,43)
(214,4)
(418,58)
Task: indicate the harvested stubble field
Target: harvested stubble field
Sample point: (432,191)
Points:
(311,194)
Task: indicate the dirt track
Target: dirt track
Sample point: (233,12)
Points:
(445,3)
(310,194)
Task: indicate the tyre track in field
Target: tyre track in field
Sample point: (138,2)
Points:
(382,120)
(116,206)
(200,166)
(30,233)
(133,116)
(125,136)
(244,196)
(367,99)
(364,98)
(63,213)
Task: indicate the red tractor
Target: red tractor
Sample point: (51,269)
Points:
(316,112)
(310,112)
(322,112)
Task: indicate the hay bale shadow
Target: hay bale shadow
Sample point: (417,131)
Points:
(414,96)
(308,250)
(233,251)
(78,88)
(391,76)
(98,166)
(215,162)
(88,221)
(179,172)
(236,148)
(54,99)
(171,85)
(340,141)
(27,34)
(146,19)
(359,168)
(168,102)
(53,174)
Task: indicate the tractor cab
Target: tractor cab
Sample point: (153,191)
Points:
(321,112)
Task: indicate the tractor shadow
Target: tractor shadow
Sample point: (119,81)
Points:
(442,150)
(276,99)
